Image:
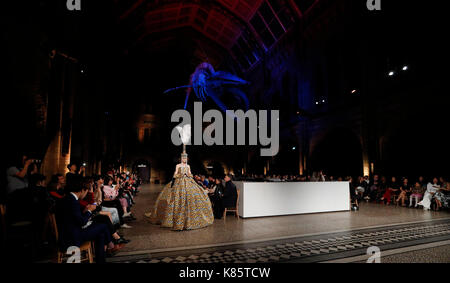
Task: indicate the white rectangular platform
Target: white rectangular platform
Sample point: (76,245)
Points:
(277,199)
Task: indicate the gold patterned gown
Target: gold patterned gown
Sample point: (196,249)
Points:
(183,206)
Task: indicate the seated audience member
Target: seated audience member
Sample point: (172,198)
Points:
(230,193)
(111,199)
(353,193)
(215,195)
(432,188)
(361,187)
(87,183)
(423,182)
(199,181)
(443,194)
(111,193)
(17,194)
(32,169)
(446,192)
(204,181)
(405,191)
(41,198)
(273,178)
(211,182)
(74,226)
(133,184)
(125,192)
(443,182)
(381,189)
(373,188)
(98,198)
(99,216)
(367,179)
(41,205)
(56,186)
(366,194)
(392,190)
(259,178)
(212,187)
(73,172)
(416,194)
(318,177)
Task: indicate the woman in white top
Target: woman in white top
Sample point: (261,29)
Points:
(432,188)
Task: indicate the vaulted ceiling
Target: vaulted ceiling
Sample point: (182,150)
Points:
(219,20)
(214,24)
(207,29)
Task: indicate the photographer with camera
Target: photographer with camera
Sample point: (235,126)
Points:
(74,173)
(17,175)
(18,196)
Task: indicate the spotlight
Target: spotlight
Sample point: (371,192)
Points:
(405,68)
(391,73)
(317,102)
(294,148)
(354,91)
(83,68)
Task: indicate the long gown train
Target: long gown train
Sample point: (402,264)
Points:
(183,206)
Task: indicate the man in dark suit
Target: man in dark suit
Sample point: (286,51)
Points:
(230,193)
(215,195)
(71,220)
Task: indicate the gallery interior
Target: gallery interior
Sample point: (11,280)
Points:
(360,95)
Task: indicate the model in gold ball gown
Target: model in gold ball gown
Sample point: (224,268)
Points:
(183,204)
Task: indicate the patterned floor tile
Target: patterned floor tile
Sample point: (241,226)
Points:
(308,248)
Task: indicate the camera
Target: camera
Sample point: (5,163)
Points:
(34,160)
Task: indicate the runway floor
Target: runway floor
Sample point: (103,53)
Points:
(300,238)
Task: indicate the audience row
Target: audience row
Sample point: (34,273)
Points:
(86,208)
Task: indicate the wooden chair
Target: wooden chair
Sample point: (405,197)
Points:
(235,209)
(3,220)
(86,248)
(8,226)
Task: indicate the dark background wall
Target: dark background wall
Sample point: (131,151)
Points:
(84,102)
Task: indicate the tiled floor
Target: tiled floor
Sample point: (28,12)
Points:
(147,238)
(433,255)
(318,248)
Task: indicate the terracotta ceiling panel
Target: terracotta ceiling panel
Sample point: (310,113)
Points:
(217,19)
